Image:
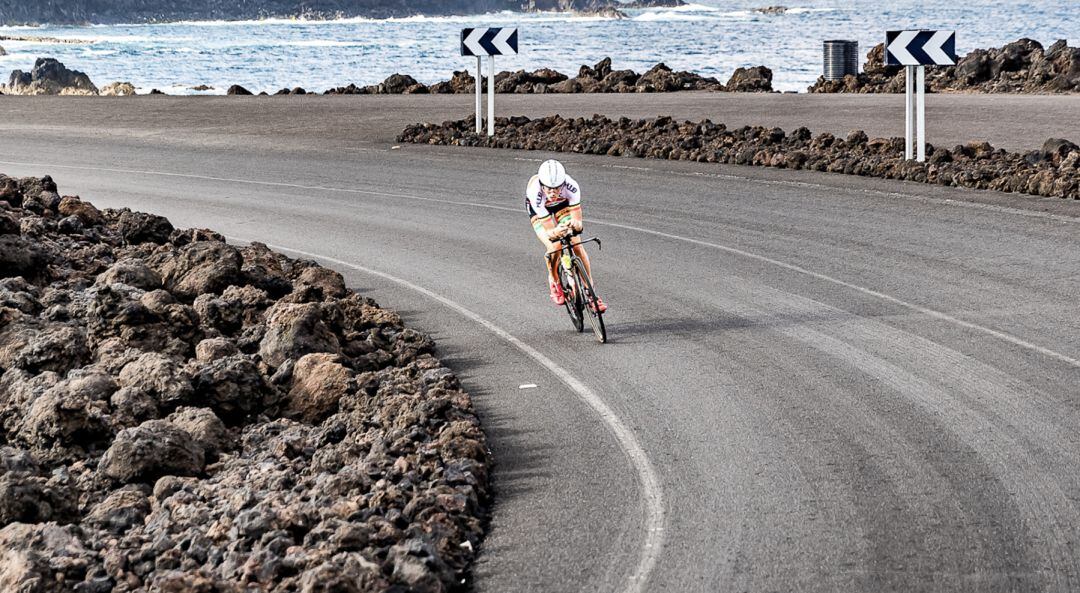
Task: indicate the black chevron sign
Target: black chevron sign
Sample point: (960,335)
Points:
(920,48)
(494,41)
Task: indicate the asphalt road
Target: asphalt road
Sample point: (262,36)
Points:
(814,382)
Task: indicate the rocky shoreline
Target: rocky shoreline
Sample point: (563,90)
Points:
(1052,171)
(1023,66)
(50,77)
(181,414)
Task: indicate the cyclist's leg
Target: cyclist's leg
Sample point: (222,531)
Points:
(564,216)
(551,249)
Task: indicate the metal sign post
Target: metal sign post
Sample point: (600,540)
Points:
(915,111)
(479,101)
(491,96)
(920,110)
(489,42)
(916,50)
(909,104)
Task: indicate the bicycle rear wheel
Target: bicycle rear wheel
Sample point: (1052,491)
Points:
(573,300)
(596,318)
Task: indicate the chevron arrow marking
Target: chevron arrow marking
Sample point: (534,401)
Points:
(934,48)
(505,41)
(485,41)
(470,42)
(898,48)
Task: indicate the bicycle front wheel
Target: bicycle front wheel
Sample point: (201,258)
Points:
(573,300)
(596,318)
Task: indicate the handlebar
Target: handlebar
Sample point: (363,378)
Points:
(566,244)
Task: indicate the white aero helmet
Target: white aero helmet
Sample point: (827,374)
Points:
(552,173)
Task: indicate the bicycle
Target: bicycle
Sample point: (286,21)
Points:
(572,276)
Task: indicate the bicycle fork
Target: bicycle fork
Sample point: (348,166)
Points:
(567,266)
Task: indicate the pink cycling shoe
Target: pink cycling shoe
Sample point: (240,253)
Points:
(557,294)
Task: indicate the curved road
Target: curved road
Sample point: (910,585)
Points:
(814,382)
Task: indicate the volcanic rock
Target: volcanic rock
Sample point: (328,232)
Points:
(121,510)
(118,89)
(1022,66)
(139,227)
(599,78)
(397,83)
(179,414)
(49,77)
(200,267)
(22,257)
(293,330)
(1048,172)
(751,80)
(205,428)
(153,449)
(133,272)
(232,386)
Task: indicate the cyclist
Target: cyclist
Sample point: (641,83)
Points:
(553,200)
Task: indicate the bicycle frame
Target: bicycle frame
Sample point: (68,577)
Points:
(568,248)
(569,263)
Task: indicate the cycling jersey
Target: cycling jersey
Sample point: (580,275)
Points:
(540,207)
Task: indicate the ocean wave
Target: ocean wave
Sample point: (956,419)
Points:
(701,12)
(688,8)
(314,43)
(503,17)
(499,16)
(791,10)
(807,10)
(133,39)
(669,16)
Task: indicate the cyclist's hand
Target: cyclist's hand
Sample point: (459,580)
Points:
(576,226)
(556,233)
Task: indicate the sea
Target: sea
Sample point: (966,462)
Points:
(709,37)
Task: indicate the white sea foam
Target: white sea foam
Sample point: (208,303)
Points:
(315,43)
(659,17)
(690,8)
(271,22)
(806,10)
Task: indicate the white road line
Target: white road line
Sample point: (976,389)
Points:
(1017,341)
(853,190)
(651,491)
(777,182)
(1005,336)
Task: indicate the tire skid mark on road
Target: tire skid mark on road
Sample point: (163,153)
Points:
(651,490)
(1001,335)
(986,409)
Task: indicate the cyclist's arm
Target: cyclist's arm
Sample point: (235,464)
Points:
(575,216)
(543,224)
(574,208)
(542,220)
